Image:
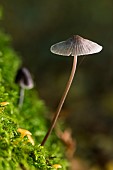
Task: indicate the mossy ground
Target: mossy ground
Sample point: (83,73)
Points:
(16,153)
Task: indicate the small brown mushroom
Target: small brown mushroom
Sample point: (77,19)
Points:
(74,46)
(24,79)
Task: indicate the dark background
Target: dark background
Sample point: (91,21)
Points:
(34,26)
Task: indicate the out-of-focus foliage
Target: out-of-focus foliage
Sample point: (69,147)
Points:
(35,26)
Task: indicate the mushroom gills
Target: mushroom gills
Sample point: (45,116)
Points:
(76,45)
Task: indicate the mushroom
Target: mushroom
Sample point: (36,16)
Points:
(24,132)
(74,46)
(27,133)
(56,166)
(2,104)
(24,79)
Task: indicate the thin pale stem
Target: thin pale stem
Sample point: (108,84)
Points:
(61,101)
(21,97)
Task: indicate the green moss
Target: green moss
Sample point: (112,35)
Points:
(16,153)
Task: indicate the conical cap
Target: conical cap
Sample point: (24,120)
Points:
(76,46)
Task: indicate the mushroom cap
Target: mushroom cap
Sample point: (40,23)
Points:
(75,45)
(24,79)
(24,132)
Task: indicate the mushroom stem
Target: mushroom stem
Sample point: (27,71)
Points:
(61,101)
(21,97)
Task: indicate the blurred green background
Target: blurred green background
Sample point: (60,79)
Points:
(34,26)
